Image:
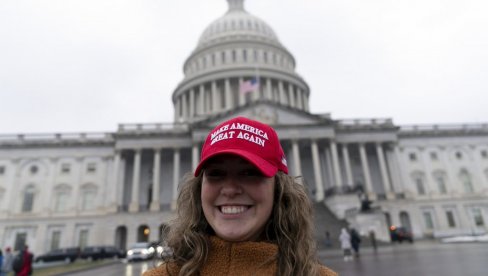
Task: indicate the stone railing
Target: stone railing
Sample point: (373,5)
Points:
(443,129)
(54,138)
(365,123)
(154,127)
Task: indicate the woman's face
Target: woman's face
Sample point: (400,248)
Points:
(237,199)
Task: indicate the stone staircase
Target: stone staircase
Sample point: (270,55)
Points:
(325,220)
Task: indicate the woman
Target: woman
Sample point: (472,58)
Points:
(345,240)
(240,213)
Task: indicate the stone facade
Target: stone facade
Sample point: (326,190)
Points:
(61,190)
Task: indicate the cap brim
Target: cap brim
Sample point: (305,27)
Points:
(266,168)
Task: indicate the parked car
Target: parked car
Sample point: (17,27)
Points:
(400,234)
(160,249)
(61,254)
(140,251)
(101,252)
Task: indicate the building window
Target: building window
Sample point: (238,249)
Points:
(34,169)
(223,57)
(255,55)
(433,156)
(88,199)
(459,155)
(83,238)
(234,56)
(265,57)
(65,168)
(429,223)
(484,154)
(2,170)
(413,157)
(20,239)
(61,200)
(418,179)
(28,202)
(213,59)
(244,55)
(466,181)
(450,219)
(478,217)
(441,182)
(91,168)
(55,239)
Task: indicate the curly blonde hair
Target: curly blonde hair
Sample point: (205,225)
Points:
(290,227)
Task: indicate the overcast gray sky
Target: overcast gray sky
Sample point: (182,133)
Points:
(88,65)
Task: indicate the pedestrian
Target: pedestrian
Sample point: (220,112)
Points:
(355,241)
(27,257)
(345,240)
(8,258)
(240,213)
(1,262)
(372,238)
(328,242)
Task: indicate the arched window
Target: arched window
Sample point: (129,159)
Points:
(419,182)
(88,196)
(405,220)
(465,179)
(440,178)
(61,197)
(28,201)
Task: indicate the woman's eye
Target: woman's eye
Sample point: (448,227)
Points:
(251,173)
(215,173)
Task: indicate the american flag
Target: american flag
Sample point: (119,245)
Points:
(249,85)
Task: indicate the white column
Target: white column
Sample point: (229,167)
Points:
(176,176)
(347,165)
(184,106)
(177,108)
(195,156)
(291,95)
(383,170)
(192,103)
(367,176)
(398,165)
(305,101)
(299,99)
(134,204)
(242,96)
(256,95)
(319,187)
(269,94)
(229,100)
(201,101)
(215,97)
(155,204)
(117,188)
(296,158)
(283,97)
(335,165)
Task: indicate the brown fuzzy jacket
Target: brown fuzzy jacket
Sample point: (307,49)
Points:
(235,258)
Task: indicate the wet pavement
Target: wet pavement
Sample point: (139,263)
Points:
(419,259)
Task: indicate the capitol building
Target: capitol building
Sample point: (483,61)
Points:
(64,190)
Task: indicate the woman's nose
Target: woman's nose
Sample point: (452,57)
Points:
(231,186)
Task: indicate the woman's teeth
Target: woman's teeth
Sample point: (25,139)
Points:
(233,209)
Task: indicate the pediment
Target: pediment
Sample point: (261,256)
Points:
(268,113)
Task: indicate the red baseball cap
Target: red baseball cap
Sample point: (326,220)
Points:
(254,141)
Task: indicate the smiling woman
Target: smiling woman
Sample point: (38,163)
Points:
(240,213)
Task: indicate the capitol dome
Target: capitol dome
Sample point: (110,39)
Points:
(237,23)
(236,48)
